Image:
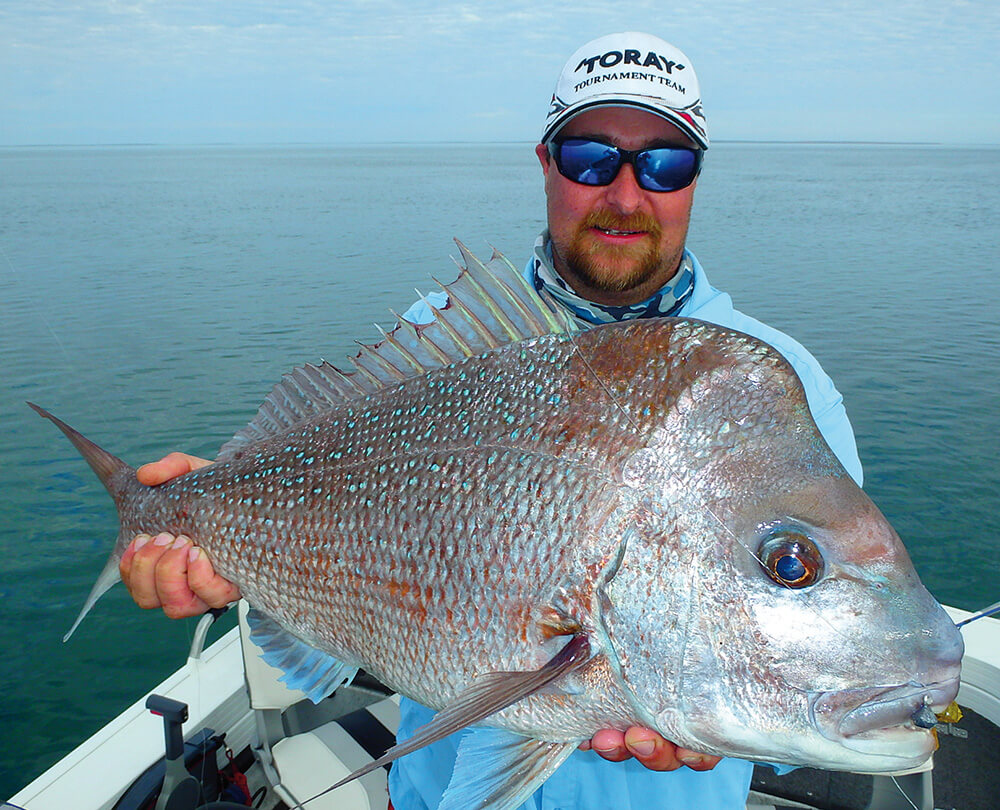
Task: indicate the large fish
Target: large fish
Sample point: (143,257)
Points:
(552,531)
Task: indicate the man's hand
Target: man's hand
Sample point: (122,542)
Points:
(649,748)
(167,571)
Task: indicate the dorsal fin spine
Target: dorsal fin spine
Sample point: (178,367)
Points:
(530,317)
(371,353)
(349,381)
(474,320)
(467,256)
(307,384)
(449,330)
(321,382)
(364,372)
(415,364)
(295,403)
(417,332)
(495,310)
(278,411)
(436,351)
(552,324)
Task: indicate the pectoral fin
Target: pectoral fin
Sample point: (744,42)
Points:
(305,668)
(486,696)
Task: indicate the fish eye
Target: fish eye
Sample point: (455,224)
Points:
(791,559)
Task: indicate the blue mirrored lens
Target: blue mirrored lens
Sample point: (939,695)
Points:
(667,169)
(588,162)
(597,164)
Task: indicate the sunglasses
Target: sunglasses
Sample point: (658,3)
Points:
(593,163)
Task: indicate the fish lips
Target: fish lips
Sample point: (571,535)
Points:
(856,718)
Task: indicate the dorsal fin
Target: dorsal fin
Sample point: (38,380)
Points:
(488,305)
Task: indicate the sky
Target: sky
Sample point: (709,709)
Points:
(363,71)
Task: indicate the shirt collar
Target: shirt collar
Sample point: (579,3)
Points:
(668,300)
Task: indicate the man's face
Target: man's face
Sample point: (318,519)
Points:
(616,244)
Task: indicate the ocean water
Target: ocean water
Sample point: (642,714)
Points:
(150,296)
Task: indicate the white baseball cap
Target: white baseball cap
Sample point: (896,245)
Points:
(630,69)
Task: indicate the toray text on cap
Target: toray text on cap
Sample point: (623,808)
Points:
(630,57)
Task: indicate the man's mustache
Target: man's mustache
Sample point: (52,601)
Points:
(610,221)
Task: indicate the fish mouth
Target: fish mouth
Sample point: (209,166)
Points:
(859,717)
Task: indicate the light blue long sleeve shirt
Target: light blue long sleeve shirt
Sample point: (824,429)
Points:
(585,781)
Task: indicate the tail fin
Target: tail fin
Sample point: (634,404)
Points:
(119,479)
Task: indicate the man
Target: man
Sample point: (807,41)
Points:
(620,153)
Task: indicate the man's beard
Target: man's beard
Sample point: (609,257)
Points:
(614,268)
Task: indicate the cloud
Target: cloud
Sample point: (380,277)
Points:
(429,70)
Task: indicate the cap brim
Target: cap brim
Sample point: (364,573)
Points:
(666,113)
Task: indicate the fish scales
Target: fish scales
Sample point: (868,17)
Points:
(568,532)
(425,514)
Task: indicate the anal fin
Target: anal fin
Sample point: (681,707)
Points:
(486,696)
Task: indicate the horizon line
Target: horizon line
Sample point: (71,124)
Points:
(189,144)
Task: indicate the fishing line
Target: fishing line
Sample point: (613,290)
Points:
(899,787)
(12,270)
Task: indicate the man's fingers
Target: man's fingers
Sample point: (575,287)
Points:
(125,563)
(610,744)
(645,745)
(172,587)
(155,572)
(171,573)
(170,466)
(651,749)
(696,761)
(209,586)
(138,568)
